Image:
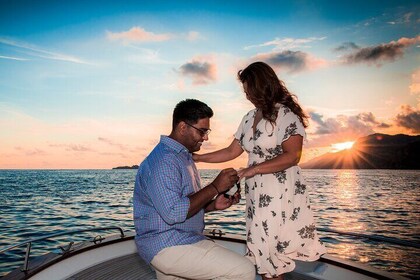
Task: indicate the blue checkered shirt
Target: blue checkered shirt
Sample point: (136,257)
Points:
(163,182)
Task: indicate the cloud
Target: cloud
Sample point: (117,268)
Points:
(381,53)
(347,46)
(415,82)
(403,19)
(409,118)
(138,34)
(112,143)
(342,128)
(401,15)
(368,118)
(328,126)
(194,36)
(72,147)
(286,43)
(145,55)
(291,61)
(407,17)
(78,148)
(201,72)
(13,58)
(31,152)
(32,50)
(383,125)
(360,124)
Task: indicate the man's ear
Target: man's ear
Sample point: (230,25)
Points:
(182,128)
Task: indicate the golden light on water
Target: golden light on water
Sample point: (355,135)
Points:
(364,259)
(342,146)
(345,194)
(347,190)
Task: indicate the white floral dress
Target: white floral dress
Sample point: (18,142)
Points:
(279,220)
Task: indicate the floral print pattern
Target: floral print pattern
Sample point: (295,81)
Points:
(299,187)
(257,134)
(280,225)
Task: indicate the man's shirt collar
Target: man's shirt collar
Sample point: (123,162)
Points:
(173,144)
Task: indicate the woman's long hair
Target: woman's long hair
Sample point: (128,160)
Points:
(264,89)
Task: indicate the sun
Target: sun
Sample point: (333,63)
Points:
(342,146)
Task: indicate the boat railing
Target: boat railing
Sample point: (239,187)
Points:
(372,237)
(28,243)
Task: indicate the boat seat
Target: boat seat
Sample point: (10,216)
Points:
(129,267)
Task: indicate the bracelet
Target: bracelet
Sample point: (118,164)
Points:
(211,184)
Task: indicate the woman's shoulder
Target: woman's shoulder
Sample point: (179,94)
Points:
(250,114)
(283,110)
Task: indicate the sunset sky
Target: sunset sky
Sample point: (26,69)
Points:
(92,84)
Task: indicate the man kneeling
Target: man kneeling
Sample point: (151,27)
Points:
(169,205)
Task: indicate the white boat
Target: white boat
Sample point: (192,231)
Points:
(115,257)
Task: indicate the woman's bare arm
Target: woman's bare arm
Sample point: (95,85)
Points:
(231,152)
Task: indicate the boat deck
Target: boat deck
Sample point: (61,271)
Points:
(130,267)
(116,257)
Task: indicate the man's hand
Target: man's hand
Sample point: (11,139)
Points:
(221,202)
(201,199)
(226,179)
(236,197)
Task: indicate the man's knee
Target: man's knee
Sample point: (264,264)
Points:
(249,271)
(246,270)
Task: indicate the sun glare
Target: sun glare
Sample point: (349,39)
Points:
(342,146)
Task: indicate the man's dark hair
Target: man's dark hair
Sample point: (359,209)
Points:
(190,111)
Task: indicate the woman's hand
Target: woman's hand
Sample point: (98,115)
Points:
(248,172)
(195,157)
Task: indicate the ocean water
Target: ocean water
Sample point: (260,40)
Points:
(35,203)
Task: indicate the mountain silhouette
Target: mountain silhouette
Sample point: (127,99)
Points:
(376,151)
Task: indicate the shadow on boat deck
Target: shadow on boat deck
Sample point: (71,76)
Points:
(130,267)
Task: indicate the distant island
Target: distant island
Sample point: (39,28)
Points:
(376,151)
(127,167)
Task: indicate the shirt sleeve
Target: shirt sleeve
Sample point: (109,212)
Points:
(289,125)
(165,190)
(240,133)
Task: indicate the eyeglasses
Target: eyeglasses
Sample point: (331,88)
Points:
(203,132)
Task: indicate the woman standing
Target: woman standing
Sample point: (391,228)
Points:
(279,220)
